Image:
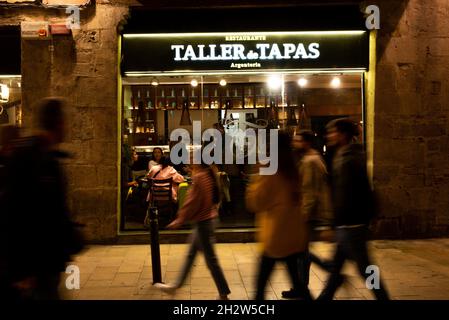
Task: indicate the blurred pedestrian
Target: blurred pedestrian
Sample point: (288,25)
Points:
(8,136)
(315,200)
(41,236)
(283,232)
(353,203)
(201,208)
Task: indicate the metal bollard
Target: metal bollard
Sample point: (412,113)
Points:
(155,249)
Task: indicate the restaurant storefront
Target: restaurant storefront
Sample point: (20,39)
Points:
(10,77)
(399,94)
(291,77)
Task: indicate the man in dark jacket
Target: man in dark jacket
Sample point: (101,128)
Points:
(353,204)
(41,236)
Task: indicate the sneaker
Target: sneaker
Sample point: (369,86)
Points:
(166,287)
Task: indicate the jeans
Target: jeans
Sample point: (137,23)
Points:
(351,245)
(306,261)
(266,267)
(202,239)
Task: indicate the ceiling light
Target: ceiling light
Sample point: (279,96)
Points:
(223,82)
(302,82)
(336,82)
(194,83)
(274,82)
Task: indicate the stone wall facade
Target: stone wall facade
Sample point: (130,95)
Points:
(411,127)
(83,69)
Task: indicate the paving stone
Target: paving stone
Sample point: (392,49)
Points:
(104,273)
(125,279)
(124,272)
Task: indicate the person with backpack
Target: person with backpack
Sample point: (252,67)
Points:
(353,204)
(201,208)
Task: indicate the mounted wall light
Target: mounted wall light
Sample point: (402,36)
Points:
(194,83)
(154,82)
(336,82)
(302,82)
(223,82)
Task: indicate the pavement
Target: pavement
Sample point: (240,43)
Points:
(411,270)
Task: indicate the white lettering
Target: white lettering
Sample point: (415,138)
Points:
(226,51)
(262,47)
(239,52)
(189,53)
(73,280)
(212,152)
(183,137)
(212,52)
(373,19)
(265,159)
(177,48)
(275,53)
(73,21)
(313,48)
(373,280)
(300,52)
(289,48)
(201,53)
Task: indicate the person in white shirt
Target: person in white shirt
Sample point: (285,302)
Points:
(156,159)
(164,171)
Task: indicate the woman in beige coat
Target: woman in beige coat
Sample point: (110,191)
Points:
(283,231)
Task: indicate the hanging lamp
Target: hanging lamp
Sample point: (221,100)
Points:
(304,120)
(185,115)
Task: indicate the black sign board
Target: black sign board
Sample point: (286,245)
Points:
(202,52)
(10,55)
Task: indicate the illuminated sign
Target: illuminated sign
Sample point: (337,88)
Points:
(145,54)
(265,51)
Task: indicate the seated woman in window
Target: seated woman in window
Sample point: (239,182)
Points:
(156,159)
(164,171)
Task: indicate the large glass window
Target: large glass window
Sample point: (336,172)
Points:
(10,100)
(153,107)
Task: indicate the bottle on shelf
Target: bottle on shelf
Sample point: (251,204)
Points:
(149,102)
(272,116)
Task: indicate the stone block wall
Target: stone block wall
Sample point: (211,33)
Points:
(83,69)
(411,125)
